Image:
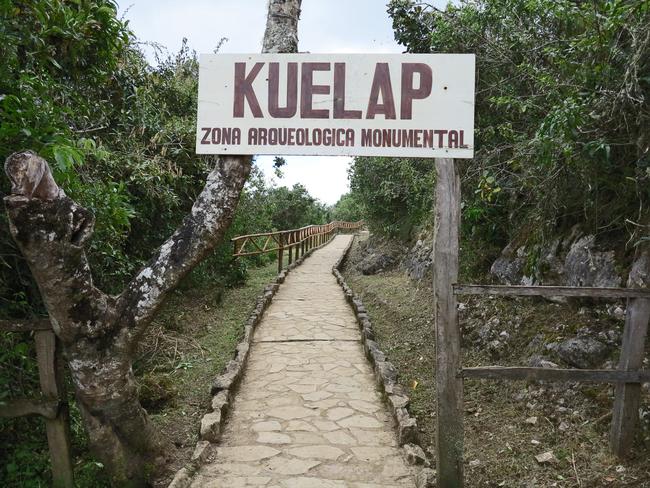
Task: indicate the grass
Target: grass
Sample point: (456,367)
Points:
(190,342)
(571,419)
(192,338)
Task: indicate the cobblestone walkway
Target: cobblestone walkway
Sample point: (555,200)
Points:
(308,413)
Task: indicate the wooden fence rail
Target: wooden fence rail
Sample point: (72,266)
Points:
(52,406)
(295,241)
(627,378)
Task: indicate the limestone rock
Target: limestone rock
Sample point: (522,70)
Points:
(201,452)
(415,455)
(211,426)
(582,352)
(418,261)
(541,362)
(181,480)
(376,263)
(546,458)
(574,260)
(585,266)
(221,401)
(426,478)
(509,267)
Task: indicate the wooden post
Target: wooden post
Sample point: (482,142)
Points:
(627,396)
(449,386)
(290,248)
(280,252)
(50,371)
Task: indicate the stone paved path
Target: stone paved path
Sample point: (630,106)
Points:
(308,413)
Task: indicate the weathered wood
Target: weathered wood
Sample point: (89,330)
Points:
(50,371)
(280,257)
(552,374)
(546,291)
(25,325)
(29,406)
(249,245)
(449,387)
(627,397)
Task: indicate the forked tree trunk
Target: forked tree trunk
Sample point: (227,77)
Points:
(99,332)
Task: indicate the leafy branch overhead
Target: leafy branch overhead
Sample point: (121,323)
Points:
(562,116)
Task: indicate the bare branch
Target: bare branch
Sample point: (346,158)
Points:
(31,177)
(281,35)
(214,209)
(193,240)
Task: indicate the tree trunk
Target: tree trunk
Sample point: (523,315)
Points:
(99,332)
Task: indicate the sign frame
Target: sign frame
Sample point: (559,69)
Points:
(393,105)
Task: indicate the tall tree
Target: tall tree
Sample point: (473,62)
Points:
(100,332)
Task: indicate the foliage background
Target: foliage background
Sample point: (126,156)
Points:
(119,135)
(562,122)
(562,130)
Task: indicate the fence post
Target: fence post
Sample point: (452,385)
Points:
(280,252)
(290,248)
(449,387)
(50,372)
(627,396)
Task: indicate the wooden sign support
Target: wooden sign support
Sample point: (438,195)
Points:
(449,384)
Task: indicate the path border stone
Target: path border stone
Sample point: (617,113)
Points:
(226,383)
(395,395)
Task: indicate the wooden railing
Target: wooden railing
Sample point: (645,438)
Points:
(52,404)
(627,378)
(294,241)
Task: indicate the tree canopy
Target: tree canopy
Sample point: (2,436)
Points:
(562,118)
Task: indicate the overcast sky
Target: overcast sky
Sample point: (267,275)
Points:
(326,26)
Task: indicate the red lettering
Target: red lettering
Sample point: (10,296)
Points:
(339,95)
(409,93)
(327,137)
(308,90)
(453,139)
(349,137)
(244,90)
(206,135)
(340,137)
(461,143)
(275,110)
(417,139)
(318,137)
(381,85)
(441,133)
(428,138)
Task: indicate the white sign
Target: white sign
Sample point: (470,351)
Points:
(407,105)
